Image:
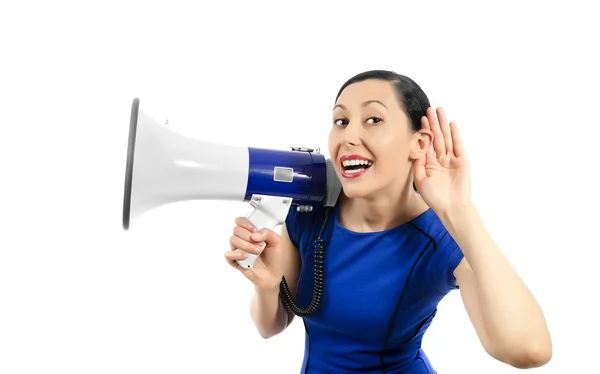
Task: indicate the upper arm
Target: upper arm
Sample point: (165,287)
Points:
(452,271)
(291,266)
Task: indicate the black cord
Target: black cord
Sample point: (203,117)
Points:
(315,303)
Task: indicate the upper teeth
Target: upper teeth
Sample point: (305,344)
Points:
(357,162)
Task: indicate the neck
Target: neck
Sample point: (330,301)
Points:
(382,210)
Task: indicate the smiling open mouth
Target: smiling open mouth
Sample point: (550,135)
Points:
(354,168)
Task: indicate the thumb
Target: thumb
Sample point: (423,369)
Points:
(419,169)
(268,236)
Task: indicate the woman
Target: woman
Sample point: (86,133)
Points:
(403,235)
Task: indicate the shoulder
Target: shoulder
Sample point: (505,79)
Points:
(446,254)
(430,226)
(302,226)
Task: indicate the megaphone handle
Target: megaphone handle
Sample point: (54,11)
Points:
(269,212)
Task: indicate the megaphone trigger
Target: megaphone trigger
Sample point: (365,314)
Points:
(269,212)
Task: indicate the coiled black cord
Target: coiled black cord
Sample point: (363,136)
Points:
(315,303)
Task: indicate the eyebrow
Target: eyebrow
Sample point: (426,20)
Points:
(363,104)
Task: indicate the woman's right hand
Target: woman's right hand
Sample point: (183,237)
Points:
(266,273)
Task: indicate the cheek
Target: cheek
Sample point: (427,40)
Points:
(392,154)
(332,145)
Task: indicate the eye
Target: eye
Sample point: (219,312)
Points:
(340,122)
(374,120)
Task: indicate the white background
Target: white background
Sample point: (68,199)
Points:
(78,294)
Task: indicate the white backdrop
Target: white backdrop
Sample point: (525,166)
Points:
(80,295)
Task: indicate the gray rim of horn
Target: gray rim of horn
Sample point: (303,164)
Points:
(129,167)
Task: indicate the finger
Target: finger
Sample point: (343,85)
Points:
(233,256)
(266,235)
(246,223)
(459,149)
(445,129)
(438,137)
(238,243)
(425,123)
(242,233)
(419,170)
(430,157)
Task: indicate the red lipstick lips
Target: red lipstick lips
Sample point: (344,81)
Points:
(354,166)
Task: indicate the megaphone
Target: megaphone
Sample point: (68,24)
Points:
(164,166)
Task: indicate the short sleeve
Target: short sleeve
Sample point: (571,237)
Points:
(302,227)
(446,258)
(291,225)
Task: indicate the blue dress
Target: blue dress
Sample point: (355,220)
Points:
(381,291)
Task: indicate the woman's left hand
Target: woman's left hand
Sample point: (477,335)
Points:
(443,178)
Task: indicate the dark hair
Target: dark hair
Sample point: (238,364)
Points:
(410,95)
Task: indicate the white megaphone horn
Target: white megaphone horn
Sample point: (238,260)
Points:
(164,166)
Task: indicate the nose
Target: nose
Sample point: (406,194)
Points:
(351,135)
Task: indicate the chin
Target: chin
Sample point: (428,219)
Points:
(355,191)
(355,187)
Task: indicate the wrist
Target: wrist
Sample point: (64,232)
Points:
(267,289)
(461,221)
(459,213)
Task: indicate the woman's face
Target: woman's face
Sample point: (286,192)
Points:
(371,141)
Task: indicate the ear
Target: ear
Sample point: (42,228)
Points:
(421,142)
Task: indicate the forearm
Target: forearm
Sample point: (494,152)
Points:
(268,312)
(511,315)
